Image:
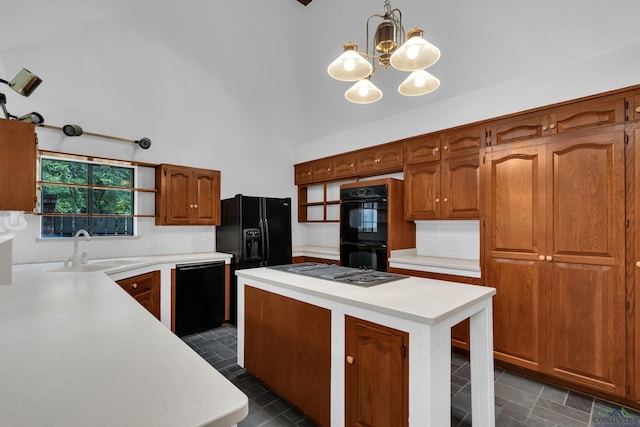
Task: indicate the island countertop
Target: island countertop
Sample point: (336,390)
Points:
(77,350)
(421,300)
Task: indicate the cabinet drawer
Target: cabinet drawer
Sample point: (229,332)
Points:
(137,284)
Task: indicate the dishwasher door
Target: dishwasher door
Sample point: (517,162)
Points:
(199,297)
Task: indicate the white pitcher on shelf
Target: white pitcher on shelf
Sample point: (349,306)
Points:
(10,223)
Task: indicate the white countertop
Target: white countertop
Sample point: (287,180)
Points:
(77,350)
(422,300)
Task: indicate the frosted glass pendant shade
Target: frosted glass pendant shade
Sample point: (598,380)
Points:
(418,83)
(415,54)
(363,92)
(350,66)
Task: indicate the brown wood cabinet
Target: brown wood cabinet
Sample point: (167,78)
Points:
(145,288)
(634,107)
(303,173)
(567,118)
(18,151)
(443,190)
(389,157)
(555,229)
(187,196)
(288,347)
(376,375)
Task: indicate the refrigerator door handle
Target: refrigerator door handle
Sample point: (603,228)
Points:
(267,241)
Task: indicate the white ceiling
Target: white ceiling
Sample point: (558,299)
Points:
(280,49)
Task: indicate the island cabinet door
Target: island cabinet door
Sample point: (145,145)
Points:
(288,347)
(376,375)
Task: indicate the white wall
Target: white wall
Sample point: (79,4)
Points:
(144,75)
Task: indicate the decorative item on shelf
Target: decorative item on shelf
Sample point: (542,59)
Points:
(76,130)
(414,55)
(23,83)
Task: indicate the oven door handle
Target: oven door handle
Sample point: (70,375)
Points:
(360,201)
(365,244)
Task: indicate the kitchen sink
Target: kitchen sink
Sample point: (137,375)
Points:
(84,268)
(98,266)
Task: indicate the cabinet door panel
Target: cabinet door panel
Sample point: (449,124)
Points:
(178,204)
(366,161)
(391,157)
(515,240)
(463,141)
(519,129)
(322,170)
(303,173)
(376,381)
(423,149)
(344,166)
(461,188)
(635,108)
(588,114)
(17,165)
(207,197)
(422,191)
(587,294)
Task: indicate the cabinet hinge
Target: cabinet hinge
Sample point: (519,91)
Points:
(484,160)
(403,351)
(626,110)
(627,388)
(627,304)
(626,223)
(626,139)
(164,171)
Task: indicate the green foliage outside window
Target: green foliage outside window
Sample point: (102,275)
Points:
(78,195)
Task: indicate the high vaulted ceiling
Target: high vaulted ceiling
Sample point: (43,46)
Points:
(281,49)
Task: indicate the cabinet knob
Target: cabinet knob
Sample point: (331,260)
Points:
(195,206)
(445,199)
(638,109)
(191,206)
(350,360)
(435,150)
(134,286)
(541,257)
(437,200)
(638,264)
(308,173)
(328,169)
(552,126)
(545,127)
(549,258)
(446,147)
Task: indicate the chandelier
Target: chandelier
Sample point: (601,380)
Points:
(414,55)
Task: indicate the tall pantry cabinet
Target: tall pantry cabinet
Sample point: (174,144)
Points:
(555,251)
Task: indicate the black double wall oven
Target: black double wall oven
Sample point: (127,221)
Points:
(363,227)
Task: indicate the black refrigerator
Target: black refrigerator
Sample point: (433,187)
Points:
(257,231)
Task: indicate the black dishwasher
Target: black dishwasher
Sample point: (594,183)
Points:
(199,297)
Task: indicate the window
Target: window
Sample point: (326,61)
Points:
(95,195)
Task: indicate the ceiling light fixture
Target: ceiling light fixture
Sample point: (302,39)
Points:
(24,83)
(414,55)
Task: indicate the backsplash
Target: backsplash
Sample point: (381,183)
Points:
(448,239)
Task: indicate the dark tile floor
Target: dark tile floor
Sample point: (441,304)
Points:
(520,402)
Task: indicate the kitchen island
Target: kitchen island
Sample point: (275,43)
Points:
(425,309)
(77,350)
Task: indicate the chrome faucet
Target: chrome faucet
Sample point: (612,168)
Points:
(75,259)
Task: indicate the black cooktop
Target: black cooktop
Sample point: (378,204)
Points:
(337,273)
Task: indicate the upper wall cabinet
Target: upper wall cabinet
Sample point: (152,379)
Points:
(187,196)
(563,119)
(380,159)
(18,145)
(463,141)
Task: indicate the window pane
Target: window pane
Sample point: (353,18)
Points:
(82,203)
(63,171)
(64,199)
(112,176)
(116,202)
